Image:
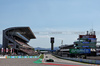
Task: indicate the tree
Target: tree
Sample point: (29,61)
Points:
(33,49)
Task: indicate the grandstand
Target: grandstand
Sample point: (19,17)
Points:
(16,40)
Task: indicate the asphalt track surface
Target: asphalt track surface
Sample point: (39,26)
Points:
(20,62)
(66,62)
(30,62)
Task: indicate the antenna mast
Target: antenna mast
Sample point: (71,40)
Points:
(62,42)
(92,26)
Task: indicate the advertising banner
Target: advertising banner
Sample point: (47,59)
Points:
(87,36)
(2,49)
(22,56)
(6,50)
(76,51)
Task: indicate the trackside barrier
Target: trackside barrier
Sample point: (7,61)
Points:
(2,57)
(19,57)
(80,60)
(22,57)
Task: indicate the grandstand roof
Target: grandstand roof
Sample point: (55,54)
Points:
(26,31)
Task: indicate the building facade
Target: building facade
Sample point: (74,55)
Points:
(85,44)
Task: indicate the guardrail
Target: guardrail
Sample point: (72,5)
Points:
(80,60)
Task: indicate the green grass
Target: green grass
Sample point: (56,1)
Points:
(40,59)
(42,56)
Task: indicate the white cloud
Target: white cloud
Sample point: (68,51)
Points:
(44,40)
(60,38)
(51,29)
(43,36)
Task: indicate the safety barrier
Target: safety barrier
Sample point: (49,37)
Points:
(2,57)
(80,60)
(19,57)
(22,57)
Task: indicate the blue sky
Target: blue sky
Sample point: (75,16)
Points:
(50,15)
